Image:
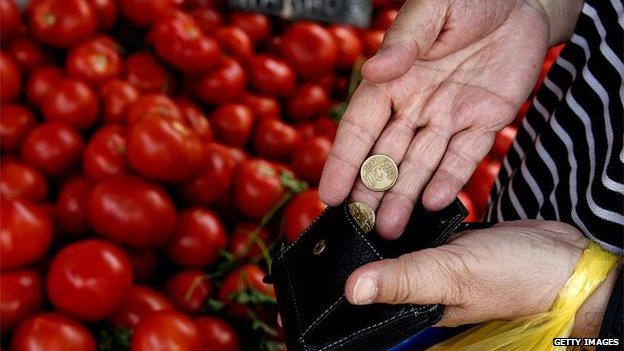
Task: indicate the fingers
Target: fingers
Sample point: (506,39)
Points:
(466,149)
(413,32)
(423,277)
(367,114)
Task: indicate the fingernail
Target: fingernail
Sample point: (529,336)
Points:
(365,290)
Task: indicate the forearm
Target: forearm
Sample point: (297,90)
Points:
(561,15)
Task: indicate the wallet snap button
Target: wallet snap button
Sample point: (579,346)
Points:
(319,247)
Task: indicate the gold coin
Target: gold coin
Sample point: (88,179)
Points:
(363,215)
(379,173)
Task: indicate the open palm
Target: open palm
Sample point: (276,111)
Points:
(449,75)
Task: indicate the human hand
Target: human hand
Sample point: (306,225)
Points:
(451,74)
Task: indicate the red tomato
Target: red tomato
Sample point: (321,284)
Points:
(216,334)
(199,237)
(70,207)
(144,264)
(208,19)
(10,78)
(95,61)
(52,332)
(246,278)
(308,101)
(195,118)
(147,74)
(224,83)
(61,23)
(241,238)
(54,148)
(40,82)
(480,184)
(473,214)
(117,96)
(106,11)
(21,296)
(141,301)
(189,290)
(105,154)
(305,129)
(235,42)
(89,279)
(25,235)
(262,106)
(256,25)
(309,158)
(503,141)
(372,40)
(257,187)
(165,150)
(72,102)
(522,112)
(143,13)
(166,331)
(215,179)
(275,139)
(300,212)
(27,54)
(153,105)
(22,181)
(15,123)
(325,126)
(233,124)
(384,19)
(131,211)
(310,48)
(348,43)
(271,76)
(10,20)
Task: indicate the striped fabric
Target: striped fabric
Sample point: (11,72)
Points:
(567,162)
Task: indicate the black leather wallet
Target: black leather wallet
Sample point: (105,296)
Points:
(309,277)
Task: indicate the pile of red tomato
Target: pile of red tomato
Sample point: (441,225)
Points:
(153,151)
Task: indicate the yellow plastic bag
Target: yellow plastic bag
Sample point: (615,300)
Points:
(536,332)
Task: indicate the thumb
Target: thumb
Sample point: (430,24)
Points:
(424,277)
(412,33)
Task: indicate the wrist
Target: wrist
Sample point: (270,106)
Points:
(561,16)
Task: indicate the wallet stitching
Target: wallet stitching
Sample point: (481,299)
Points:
(294,298)
(323,314)
(358,232)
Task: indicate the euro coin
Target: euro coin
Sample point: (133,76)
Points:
(363,215)
(379,173)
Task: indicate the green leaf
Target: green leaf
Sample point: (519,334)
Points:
(114,339)
(214,306)
(292,184)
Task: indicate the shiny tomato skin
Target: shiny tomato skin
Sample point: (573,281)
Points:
(309,100)
(198,239)
(271,76)
(143,71)
(300,212)
(144,13)
(257,187)
(15,123)
(233,124)
(165,331)
(310,48)
(214,180)
(27,54)
(140,302)
(348,43)
(189,290)
(309,158)
(504,140)
(105,154)
(131,211)
(25,235)
(61,23)
(72,102)
(181,43)
(19,180)
(223,84)
(165,150)
(106,11)
(480,184)
(10,78)
(53,148)
(40,82)
(21,296)
(70,207)
(473,214)
(241,236)
(371,38)
(195,118)
(247,277)
(52,332)
(256,25)
(89,279)
(10,21)
(153,105)
(217,334)
(95,61)
(275,139)
(235,42)
(263,107)
(117,96)
(208,19)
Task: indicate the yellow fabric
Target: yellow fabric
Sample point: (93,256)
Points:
(536,332)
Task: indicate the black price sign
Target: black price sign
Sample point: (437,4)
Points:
(355,12)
